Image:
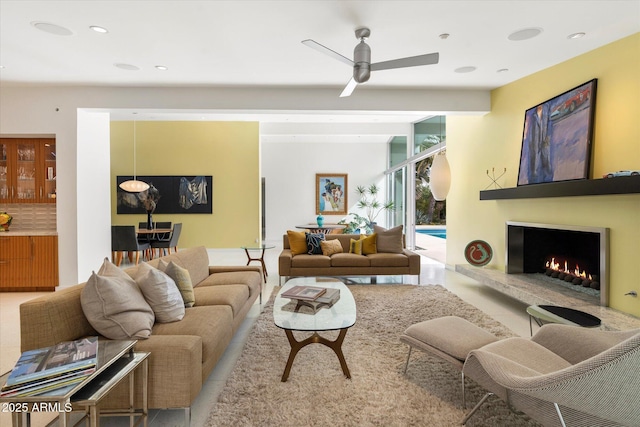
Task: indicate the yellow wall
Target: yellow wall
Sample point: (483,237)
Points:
(229,151)
(476,144)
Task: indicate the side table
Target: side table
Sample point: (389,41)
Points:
(116,361)
(566,316)
(260,259)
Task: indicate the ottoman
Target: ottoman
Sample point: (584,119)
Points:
(450,338)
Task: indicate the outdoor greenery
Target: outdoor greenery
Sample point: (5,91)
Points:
(428,210)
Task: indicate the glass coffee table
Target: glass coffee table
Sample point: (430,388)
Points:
(339,317)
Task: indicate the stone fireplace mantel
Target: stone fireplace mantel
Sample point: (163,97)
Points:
(521,289)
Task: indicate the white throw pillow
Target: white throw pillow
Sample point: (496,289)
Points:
(161,293)
(114,305)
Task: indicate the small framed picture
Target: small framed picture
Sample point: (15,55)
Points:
(331,193)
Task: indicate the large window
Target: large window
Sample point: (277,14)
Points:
(408,176)
(397,150)
(429,133)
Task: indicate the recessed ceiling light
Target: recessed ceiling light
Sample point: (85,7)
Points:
(502,70)
(576,35)
(524,34)
(162,67)
(52,28)
(444,36)
(127,67)
(98,29)
(465,69)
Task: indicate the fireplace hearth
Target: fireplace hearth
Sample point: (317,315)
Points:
(574,257)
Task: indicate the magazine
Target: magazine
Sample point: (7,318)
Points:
(326,300)
(60,360)
(305,293)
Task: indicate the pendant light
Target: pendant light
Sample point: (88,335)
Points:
(133,185)
(440,175)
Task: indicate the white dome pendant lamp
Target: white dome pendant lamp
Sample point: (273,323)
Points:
(440,175)
(133,185)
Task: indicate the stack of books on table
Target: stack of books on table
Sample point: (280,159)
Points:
(51,368)
(314,297)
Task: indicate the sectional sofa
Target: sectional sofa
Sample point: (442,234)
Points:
(184,352)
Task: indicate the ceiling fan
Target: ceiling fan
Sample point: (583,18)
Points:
(362,66)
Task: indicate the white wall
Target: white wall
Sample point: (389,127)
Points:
(290,168)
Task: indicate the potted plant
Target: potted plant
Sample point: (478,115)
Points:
(372,207)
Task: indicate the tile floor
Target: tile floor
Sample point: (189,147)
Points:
(504,309)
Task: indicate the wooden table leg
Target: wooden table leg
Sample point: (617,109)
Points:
(335,345)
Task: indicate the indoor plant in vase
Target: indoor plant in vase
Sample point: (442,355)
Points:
(371,206)
(5,221)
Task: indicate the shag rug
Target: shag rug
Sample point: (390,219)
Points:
(378,393)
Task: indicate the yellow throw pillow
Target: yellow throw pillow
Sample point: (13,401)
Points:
(330,247)
(297,242)
(355,246)
(369,244)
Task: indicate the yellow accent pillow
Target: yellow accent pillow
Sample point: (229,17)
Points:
(297,242)
(330,247)
(369,244)
(355,246)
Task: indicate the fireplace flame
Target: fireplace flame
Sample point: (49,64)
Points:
(554,265)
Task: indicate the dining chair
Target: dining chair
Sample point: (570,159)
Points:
(165,246)
(162,236)
(124,239)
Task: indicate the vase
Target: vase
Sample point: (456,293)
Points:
(320,220)
(5,227)
(149,220)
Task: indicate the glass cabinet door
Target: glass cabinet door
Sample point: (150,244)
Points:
(26,172)
(5,189)
(50,173)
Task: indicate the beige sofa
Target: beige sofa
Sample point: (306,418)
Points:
(183,353)
(347,264)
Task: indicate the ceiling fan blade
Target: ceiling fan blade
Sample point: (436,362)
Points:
(412,61)
(348,89)
(317,46)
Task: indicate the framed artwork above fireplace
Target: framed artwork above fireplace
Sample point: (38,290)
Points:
(557,137)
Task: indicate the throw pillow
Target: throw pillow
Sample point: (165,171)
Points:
(313,243)
(389,240)
(114,305)
(183,281)
(297,242)
(330,247)
(369,244)
(355,246)
(161,293)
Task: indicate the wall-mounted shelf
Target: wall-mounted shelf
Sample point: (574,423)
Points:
(586,187)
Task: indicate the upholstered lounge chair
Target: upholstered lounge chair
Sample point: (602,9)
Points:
(564,375)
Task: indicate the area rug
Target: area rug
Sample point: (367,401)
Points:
(378,393)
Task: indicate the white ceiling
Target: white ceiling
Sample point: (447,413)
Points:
(257,43)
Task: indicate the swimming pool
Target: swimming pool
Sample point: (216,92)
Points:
(435,232)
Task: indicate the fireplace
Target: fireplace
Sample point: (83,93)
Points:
(574,257)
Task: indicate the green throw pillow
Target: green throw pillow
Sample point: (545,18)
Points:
(183,280)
